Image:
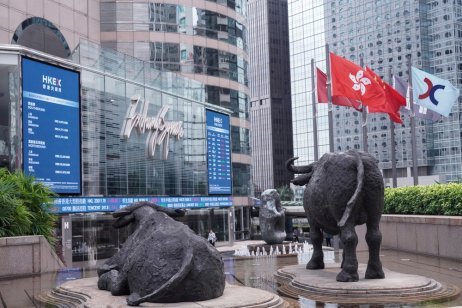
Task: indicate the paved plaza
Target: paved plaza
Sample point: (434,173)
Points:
(253,272)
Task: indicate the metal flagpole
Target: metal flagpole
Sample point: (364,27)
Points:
(413,135)
(393,147)
(331,128)
(329,102)
(364,116)
(313,103)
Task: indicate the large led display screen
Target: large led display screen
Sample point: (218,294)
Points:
(218,153)
(111,204)
(51,125)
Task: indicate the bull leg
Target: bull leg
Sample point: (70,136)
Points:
(349,271)
(114,282)
(317,259)
(374,265)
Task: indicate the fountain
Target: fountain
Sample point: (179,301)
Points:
(303,252)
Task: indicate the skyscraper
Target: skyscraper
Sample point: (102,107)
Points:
(206,42)
(270,105)
(203,40)
(385,34)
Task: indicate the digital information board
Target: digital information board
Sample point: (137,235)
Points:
(111,204)
(51,125)
(218,153)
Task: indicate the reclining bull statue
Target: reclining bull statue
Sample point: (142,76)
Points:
(343,190)
(163,261)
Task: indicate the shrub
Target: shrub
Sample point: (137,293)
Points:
(25,207)
(437,199)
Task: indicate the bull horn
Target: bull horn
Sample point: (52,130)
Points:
(298,169)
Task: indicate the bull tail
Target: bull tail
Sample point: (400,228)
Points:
(359,188)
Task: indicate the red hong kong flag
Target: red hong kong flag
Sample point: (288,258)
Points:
(394,100)
(321,89)
(352,81)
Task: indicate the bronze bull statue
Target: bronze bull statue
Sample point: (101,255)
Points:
(163,261)
(343,190)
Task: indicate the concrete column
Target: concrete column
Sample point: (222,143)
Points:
(66,223)
(231,225)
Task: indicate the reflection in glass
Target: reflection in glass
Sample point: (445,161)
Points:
(163,17)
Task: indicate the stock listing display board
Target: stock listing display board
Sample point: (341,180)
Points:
(218,153)
(51,125)
(111,204)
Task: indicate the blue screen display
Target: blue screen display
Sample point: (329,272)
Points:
(111,204)
(218,153)
(51,125)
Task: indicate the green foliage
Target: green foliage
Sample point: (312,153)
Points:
(25,206)
(285,193)
(437,199)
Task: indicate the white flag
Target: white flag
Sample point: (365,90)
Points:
(433,92)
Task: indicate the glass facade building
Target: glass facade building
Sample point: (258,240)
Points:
(202,40)
(113,166)
(385,34)
(270,105)
(205,41)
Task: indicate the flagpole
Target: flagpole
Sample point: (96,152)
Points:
(313,104)
(364,116)
(393,148)
(331,126)
(329,102)
(413,135)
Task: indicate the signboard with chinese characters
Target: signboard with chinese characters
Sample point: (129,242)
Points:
(111,204)
(51,125)
(218,153)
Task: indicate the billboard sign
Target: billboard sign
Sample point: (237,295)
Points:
(51,125)
(111,204)
(218,153)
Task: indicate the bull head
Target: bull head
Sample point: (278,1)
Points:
(137,211)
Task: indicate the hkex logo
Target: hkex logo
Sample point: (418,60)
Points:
(51,83)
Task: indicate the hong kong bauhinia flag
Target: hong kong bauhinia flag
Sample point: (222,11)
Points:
(352,81)
(321,91)
(433,92)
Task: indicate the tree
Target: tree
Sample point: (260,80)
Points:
(285,193)
(25,206)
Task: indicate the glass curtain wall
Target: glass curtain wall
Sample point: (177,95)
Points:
(9,98)
(113,166)
(116,166)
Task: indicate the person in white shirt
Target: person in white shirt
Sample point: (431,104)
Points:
(212,238)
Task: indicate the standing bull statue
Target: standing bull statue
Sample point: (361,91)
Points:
(163,261)
(343,190)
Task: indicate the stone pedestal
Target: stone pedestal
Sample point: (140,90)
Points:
(85,293)
(396,288)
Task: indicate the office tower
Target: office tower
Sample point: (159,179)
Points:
(202,40)
(41,41)
(270,104)
(385,34)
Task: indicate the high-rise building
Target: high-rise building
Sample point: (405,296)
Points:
(385,34)
(202,40)
(60,90)
(270,105)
